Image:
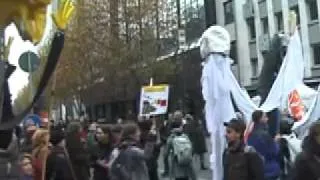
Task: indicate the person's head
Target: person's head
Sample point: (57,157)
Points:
(93,127)
(116,133)
(177,116)
(74,128)
(235,130)
(40,138)
(57,137)
(131,131)
(26,165)
(189,118)
(30,127)
(259,116)
(103,134)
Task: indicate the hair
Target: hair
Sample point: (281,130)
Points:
(117,128)
(129,130)
(40,141)
(106,128)
(257,115)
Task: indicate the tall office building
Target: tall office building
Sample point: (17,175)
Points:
(252,23)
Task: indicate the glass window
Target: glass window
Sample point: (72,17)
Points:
(279,22)
(313,10)
(316,54)
(251,28)
(233,52)
(228,12)
(254,67)
(265,25)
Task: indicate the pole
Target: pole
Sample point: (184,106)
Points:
(30,79)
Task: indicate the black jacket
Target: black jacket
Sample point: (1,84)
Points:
(307,164)
(57,167)
(242,163)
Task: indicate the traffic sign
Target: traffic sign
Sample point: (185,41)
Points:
(29,61)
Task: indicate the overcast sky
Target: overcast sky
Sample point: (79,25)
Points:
(19,78)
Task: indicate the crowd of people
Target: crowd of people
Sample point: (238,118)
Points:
(128,150)
(259,156)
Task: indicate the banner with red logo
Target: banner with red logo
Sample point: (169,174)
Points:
(154,100)
(296,107)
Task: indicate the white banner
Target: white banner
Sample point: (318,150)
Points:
(154,100)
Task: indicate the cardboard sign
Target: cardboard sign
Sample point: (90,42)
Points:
(154,100)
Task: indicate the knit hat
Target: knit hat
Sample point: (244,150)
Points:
(56,136)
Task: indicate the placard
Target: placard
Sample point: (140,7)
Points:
(154,100)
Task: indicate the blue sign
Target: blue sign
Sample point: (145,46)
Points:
(32,119)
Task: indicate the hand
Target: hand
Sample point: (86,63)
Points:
(62,16)
(277,137)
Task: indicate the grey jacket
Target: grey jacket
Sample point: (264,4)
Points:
(9,161)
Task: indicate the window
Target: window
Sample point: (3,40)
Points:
(251,28)
(228,12)
(279,22)
(233,52)
(296,10)
(265,25)
(313,10)
(254,67)
(316,54)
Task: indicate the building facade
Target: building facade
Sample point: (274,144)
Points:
(252,23)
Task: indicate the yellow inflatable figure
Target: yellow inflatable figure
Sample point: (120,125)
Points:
(30,16)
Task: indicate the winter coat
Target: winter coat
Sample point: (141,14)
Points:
(178,171)
(265,145)
(79,158)
(57,167)
(100,172)
(242,162)
(307,162)
(134,160)
(9,157)
(196,136)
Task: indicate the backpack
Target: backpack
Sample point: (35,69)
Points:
(118,169)
(182,149)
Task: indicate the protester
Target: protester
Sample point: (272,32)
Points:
(149,137)
(195,133)
(180,154)
(92,144)
(103,136)
(265,145)
(40,151)
(131,162)
(26,168)
(116,134)
(9,152)
(78,154)
(58,166)
(176,117)
(308,161)
(240,162)
(29,129)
